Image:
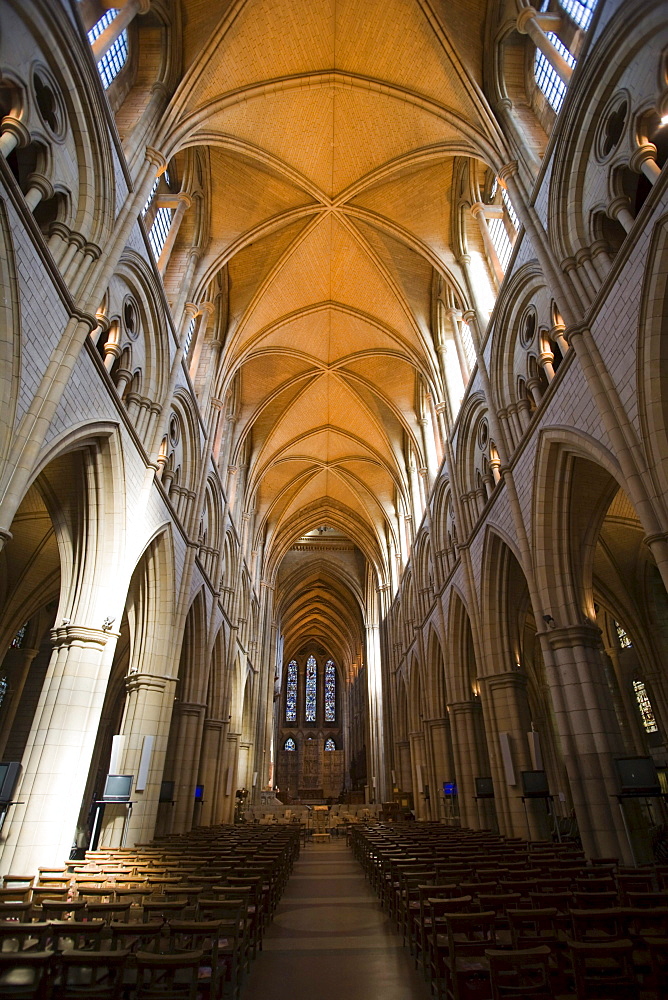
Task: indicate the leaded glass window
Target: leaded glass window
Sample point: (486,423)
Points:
(645,706)
(115,58)
(289,744)
(579,11)
(311,689)
(547,78)
(4,686)
(291,692)
(158,232)
(330,691)
(330,744)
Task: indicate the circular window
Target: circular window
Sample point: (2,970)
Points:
(49,103)
(174,430)
(131,318)
(483,434)
(528,331)
(611,127)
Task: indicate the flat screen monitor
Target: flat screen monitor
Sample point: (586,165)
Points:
(9,775)
(534,785)
(637,776)
(484,788)
(117,788)
(166,791)
(449,788)
(199,793)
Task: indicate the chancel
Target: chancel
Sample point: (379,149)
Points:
(333,487)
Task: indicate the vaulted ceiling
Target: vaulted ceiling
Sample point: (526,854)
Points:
(330,129)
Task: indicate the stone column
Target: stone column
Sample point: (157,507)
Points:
(480,212)
(230,779)
(190,725)
(469,761)
(148,712)
(590,736)
(57,758)
(418,770)
(533,24)
(180,203)
(127,10)
(209,770)
(506,710)
(442,764)
(404,776)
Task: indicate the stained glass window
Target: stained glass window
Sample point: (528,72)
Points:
(645,706)
(311,686)
(17,641)
(291,693)
(330,692)
(330,744)
(289,744)
(4,686)
(623,636)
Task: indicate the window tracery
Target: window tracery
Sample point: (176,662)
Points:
(330,692)
(310,693)
(291,692)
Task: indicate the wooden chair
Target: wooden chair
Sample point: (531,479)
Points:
(603,970)
(80,935)
(520,973)
(62,909)
(598,925)
(466,966)
(204,936)
(232,944)
(16,935)
(167,977)
(26,975)
(133,937)
(85,975)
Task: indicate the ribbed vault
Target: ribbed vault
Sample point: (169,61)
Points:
(330,131)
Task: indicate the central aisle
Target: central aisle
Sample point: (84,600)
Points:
(330,938)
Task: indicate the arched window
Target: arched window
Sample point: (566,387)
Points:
(291,692)
(311,689)
(116,56)
(623,636)
(645,707)
(579,11)
(289,744)
(330,744)
(501,226)
(17,641)
(162,219)
(547,78)
(330,691)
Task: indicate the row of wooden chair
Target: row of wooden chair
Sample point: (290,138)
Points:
(460,897)
(177,919)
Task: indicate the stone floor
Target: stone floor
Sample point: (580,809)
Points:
(330,939)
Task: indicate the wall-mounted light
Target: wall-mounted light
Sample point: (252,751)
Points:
(549,621)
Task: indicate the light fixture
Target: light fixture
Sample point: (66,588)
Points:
(549,620)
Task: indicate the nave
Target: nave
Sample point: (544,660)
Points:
(398,911)
(331,939)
